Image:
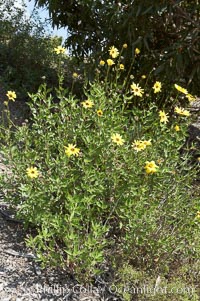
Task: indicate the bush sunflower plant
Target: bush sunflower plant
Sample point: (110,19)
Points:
(100,181)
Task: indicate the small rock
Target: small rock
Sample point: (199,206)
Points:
(1,286)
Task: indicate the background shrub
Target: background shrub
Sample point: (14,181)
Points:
(167,32)
(26,54)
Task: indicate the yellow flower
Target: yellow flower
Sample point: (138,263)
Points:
(163,117)
(177,128)
(11,95)
(190,97)
(59,50)
(71,149)
(198,214)
(110,62)
(99,113)
(137,91)
(157,87)
(198,159)
(143,76)
(87,104)
(75,75)
(137,51)
(180,89)
(181,111)
(147,142)
(102,63)
(113,51)
(32,172)
(151,167)
(116,138)
(121,66)
(125,46)
(140,145)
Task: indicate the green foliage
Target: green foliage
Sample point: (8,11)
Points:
(82,179)
(26,50)
(167,32)
(131,283)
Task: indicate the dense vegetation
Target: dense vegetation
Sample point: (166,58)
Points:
(104,172)
(167,32)
(25,50)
